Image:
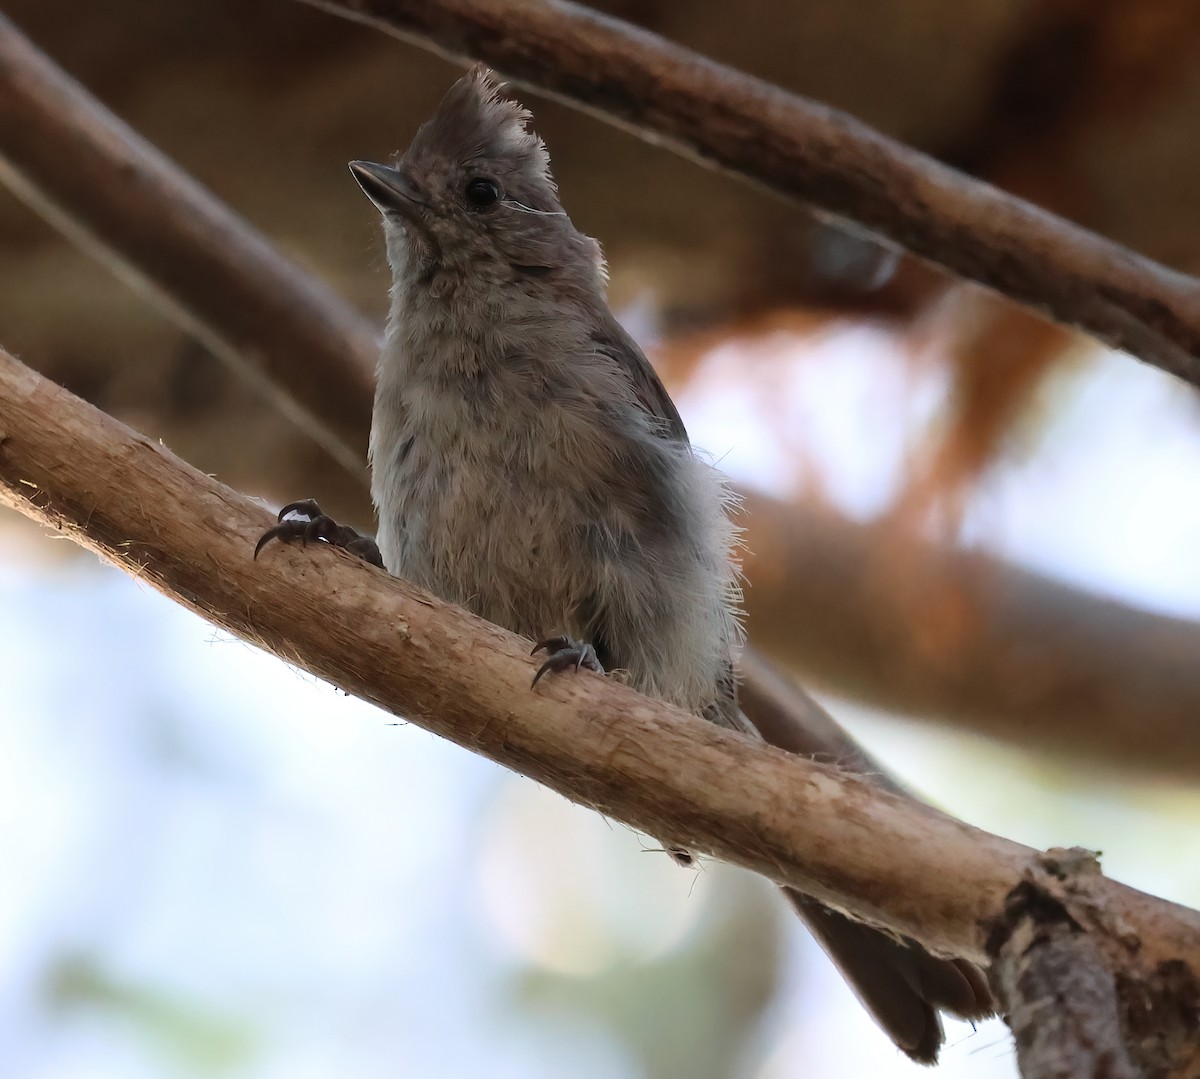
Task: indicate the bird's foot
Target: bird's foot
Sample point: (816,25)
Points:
(564,653)
(312,524)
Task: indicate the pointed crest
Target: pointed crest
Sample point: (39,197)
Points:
(474,123)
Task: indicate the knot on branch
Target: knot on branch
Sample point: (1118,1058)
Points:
(1078,997)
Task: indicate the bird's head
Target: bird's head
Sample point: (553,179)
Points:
(473,196)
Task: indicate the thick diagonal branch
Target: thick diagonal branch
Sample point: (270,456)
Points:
(639,761)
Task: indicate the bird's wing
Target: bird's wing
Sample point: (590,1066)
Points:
(610,339)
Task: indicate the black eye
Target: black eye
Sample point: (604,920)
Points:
(482,193)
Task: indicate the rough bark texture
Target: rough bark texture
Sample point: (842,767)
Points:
(1081,996)
(788,717)
(642,762)
(807,151)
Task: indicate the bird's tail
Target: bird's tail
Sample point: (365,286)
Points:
(902,985)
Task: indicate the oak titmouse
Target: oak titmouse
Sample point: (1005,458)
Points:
(528,464)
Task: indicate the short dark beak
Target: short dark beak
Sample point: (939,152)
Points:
(390,189)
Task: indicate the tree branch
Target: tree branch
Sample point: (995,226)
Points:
(639,761)
(802,150)
(789,718)
(965,638)
(1080,999)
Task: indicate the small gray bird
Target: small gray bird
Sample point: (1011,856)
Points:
(528,464)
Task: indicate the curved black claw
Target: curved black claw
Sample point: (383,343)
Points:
(316,526)
(565,654)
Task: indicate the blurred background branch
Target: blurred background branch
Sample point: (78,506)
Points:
(798,148)
(968,639)
(110,190)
